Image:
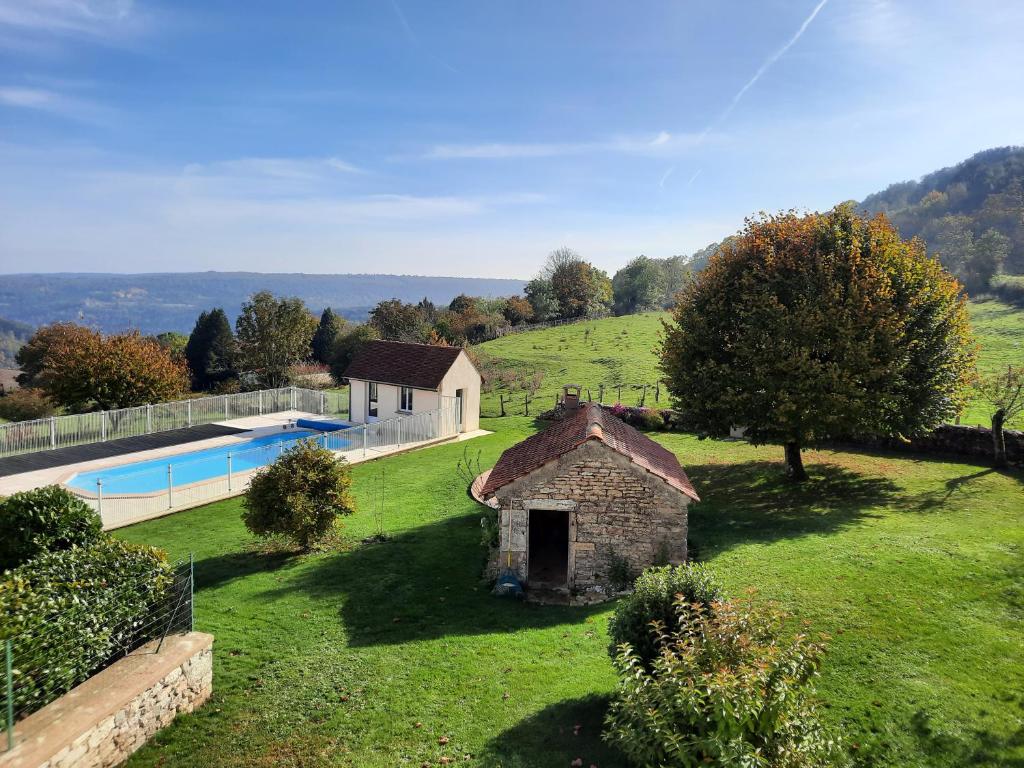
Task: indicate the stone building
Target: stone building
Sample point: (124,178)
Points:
(584,492)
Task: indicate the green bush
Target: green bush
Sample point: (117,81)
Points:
(299,496)
(727,689)
(654,600)
(26,404)
(46,519)
(71,612)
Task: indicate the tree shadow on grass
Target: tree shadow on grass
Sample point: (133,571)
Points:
(755,502)
(557,735)
(212,572)
(978,747)
(421,584)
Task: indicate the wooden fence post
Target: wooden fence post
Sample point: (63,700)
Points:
(526,404)
(657,391)
(501,399)
(600,394)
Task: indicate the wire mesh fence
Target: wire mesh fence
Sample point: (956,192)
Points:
(43,664)
(79,429)
(123,495)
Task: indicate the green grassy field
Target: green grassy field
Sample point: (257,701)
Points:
(373,654)
(621,351)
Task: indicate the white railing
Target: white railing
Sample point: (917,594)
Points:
(82,428)
(119,502)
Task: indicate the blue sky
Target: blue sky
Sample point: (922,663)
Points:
(470,137)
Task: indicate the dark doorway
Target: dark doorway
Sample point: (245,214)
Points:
(549,547)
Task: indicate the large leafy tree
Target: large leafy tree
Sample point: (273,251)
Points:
(638,286)
(31,358)
(273,335)
(331,327)
(84,371)
(211,351)
(395,320)
(805,328)
(580,288)
(347,345)
(542,299)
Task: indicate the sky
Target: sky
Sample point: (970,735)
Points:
(470,138)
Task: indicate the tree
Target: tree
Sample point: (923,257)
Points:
(300,496)
(327,333)
(542,299)
(988,256)
(517,310)
(822,326)
(273,335)
(31,358)
(462,304)
(346,346)
(677,271)
(211,351)
(1005,392)
(25,404)
(394,320)
(580,289)
(173,342)
(638,287)
(85,371)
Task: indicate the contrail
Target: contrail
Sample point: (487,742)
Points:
(765,66)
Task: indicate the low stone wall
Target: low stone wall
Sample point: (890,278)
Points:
(955,440)
(104,720)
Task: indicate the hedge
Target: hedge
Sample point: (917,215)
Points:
(42,520)
(70,613)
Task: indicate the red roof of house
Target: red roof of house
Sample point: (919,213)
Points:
(589,422)
(397,362)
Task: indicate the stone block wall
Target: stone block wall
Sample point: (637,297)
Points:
(617,509)
(102,722)
(954,440)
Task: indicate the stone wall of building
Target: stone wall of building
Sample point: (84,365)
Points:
(102,722)
(616,510)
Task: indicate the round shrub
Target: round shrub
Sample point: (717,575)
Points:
(654,600)
(46,519)
(728,688)
(26,404)
(299,496)
(71,612)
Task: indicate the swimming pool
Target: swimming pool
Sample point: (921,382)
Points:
(151,476)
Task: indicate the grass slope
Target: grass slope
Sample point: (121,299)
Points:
(622,350)
(913,566)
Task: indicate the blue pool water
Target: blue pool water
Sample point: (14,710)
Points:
(197,466)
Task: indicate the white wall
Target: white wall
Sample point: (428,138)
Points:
(463,375)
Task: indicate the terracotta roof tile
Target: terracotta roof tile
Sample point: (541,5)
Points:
(590,422)
(397,362)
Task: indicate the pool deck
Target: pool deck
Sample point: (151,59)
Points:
(240,431)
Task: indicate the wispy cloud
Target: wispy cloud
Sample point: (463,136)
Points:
(52,102)
(765,66)
(67,17)
(665,176)
(661,143)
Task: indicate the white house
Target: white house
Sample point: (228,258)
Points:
(393,378)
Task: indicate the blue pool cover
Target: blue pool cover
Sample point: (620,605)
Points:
(196,466)
(322,425)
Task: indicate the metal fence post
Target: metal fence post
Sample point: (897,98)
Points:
(260,393)
(9,656)
(364,441)
(190,413)
(191,592)
(99,497)
(229,472)
(227,407)
(103,425)
(323,405)
(149,419)
(170,485)
(53,432)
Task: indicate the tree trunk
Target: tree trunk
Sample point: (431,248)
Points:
(795,463)
(998,439)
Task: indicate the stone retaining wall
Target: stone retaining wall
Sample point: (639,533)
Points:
(103,721)
(955,440)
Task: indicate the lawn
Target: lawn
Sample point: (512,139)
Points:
(373,654)
(622,351)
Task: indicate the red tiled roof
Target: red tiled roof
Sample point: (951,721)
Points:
(590,422)
(397,362)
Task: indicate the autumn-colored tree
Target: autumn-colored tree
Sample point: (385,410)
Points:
(273,335)
(1005,392)
(517,310)
(31,358)
(805,328)
(85,371)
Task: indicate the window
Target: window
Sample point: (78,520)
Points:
(371,399)
(405,399)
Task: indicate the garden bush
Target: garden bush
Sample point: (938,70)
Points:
(654,600)
(45,519)
(728,688)
(71,612)
(299,496)
(642,418)
(26,404)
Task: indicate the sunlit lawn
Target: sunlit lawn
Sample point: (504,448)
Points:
(369,656)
